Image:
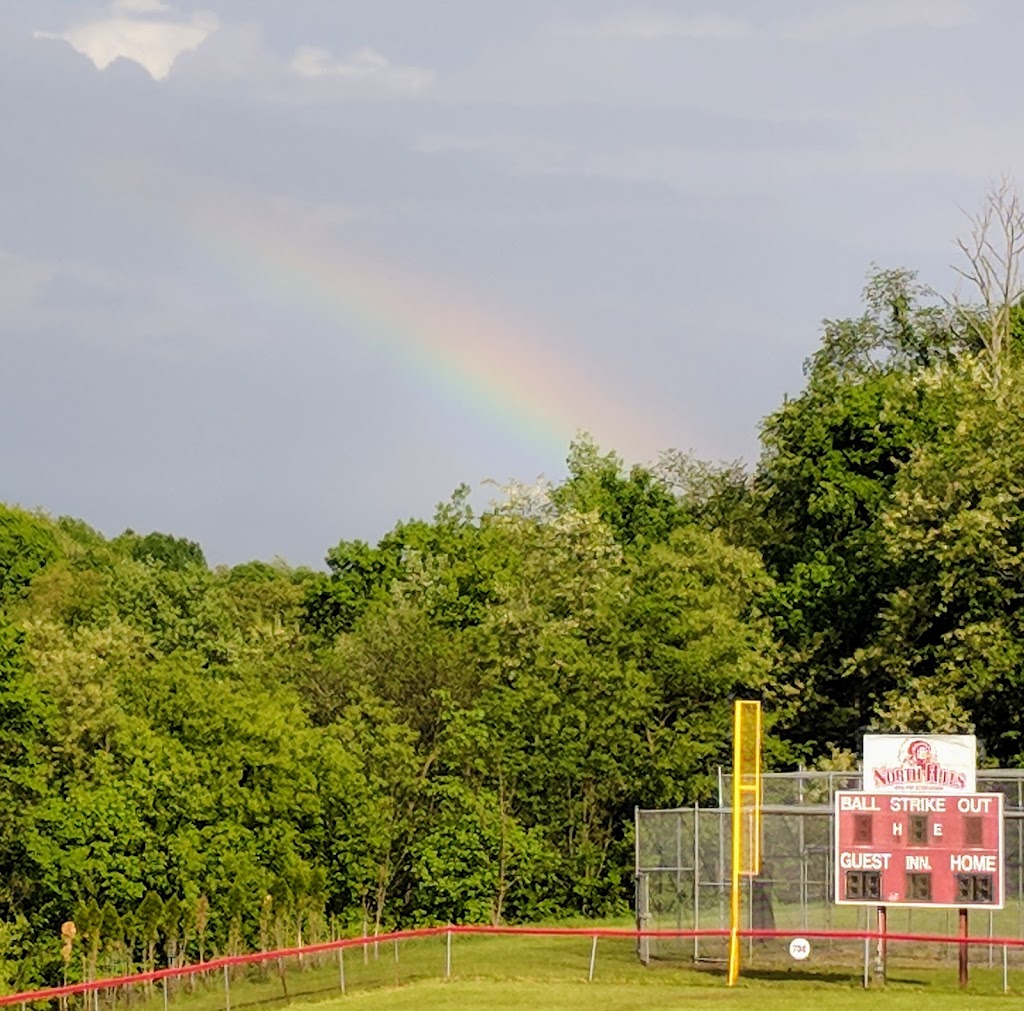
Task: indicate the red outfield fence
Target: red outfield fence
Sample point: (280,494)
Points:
(226,964)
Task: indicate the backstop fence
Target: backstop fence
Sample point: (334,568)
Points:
(683,871)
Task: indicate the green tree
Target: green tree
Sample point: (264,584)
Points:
(27,545)
(697,632)
(27,716)
(638,507)
(172,927)
(148,916)
(175,553)
(949,649)
(827,475)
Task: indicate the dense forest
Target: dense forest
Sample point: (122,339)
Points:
(455,724)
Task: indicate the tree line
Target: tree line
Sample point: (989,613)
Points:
(455,723)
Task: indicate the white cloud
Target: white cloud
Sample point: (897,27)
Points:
(153,44)
(138,6)
(871,17)
(653,27)
(365,66)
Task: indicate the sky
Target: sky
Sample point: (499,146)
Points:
(277,275)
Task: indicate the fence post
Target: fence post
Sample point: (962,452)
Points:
(593,958)
(164,988)
(696,882)
(882,954)
(1006,978)
(448,955)
(679,870)
(962,954)
(227,989)
(341,968)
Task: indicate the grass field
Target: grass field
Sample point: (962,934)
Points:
(542,972)
(521,995)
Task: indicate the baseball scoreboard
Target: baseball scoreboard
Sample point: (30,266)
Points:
(910,849)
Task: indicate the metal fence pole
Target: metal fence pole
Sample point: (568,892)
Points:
(164,988)
(448,955)
(636,840)
(1020,872)
(803,853)
(1006,980)
(679,870)
(750,914)
(721,857)
(227,990)
(341,969)
(696,881)
(593,958)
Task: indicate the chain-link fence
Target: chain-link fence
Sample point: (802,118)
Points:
(527,966)
(259,981)
(683,870)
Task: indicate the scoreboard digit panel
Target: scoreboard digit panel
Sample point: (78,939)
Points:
(919,850)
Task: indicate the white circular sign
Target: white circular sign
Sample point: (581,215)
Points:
(799,948)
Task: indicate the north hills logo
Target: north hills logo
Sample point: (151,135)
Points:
(918,766)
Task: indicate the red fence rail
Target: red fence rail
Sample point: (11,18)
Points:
(617,933)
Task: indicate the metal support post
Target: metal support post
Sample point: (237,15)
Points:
(679,870)
(227,990)
(882,952)
(696,881)
(593,958)
(803,851)
(448,955)
(341,969)
(963,954)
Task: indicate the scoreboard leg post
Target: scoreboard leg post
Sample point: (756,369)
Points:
(963,932)
(882,950)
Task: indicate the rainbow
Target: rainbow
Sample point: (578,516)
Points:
(497,371)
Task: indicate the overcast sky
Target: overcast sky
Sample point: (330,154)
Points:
(277,274)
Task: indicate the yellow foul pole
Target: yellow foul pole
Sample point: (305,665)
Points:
(746,816)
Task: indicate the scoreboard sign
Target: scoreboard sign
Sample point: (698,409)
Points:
(919,850)
(920,763)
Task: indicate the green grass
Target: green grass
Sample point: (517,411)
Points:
(494,996)
(540,973)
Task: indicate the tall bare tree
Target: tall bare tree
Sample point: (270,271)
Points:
(993,252)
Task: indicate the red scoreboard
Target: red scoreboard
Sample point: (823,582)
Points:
(919,850)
